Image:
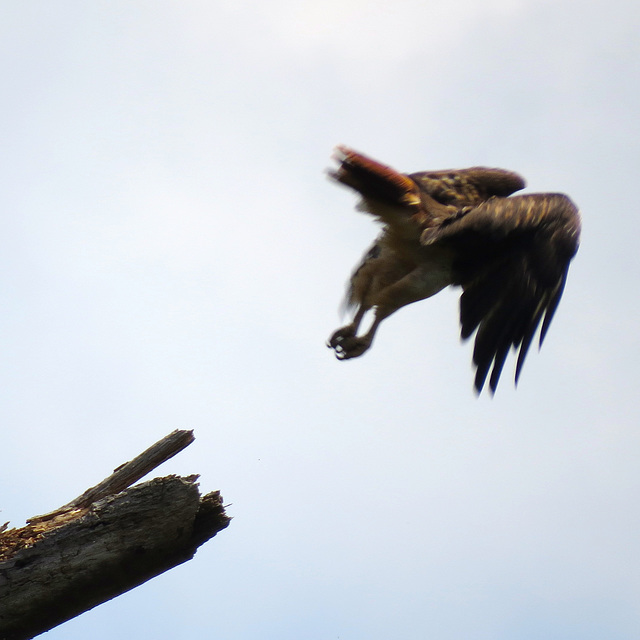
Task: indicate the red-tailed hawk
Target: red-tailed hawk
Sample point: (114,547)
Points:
(510,255)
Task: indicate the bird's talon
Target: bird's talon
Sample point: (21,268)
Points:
(338,337)
(348,346)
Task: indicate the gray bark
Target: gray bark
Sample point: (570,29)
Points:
(91,551)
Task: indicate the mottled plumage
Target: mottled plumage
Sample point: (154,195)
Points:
(510,254)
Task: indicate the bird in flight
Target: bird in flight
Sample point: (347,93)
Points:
(462,227)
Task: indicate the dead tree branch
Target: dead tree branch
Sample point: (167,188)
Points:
(105,542)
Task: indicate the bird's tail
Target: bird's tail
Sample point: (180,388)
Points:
(373,180)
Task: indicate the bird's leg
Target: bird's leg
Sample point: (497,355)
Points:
(421,283)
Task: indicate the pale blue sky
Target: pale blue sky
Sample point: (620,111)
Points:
(173,256)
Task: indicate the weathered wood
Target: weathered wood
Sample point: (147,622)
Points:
(128,473)
(77,557)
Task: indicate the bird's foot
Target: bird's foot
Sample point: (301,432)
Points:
(347,345)
(341,334)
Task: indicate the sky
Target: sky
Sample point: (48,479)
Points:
(173,257)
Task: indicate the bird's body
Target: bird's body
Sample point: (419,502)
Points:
(510,254)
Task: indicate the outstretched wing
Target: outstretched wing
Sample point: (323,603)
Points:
(512,258)
(468,187)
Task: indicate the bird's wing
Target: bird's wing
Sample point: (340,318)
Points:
(468,187)
(512,258)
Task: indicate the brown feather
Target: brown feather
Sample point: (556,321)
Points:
(510,255)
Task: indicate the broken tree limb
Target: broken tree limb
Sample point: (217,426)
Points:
(128,473)
(79,556)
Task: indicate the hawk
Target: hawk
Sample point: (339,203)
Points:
(509,254)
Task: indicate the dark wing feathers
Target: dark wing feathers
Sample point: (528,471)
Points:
(464,187)
(513,257)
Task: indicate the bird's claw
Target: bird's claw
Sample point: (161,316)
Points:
(340,335)
(347,345)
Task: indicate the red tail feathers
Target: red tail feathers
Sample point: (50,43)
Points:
(373,179)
